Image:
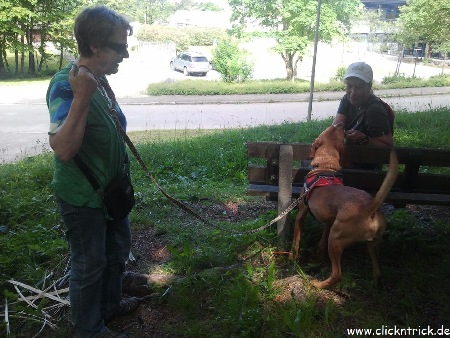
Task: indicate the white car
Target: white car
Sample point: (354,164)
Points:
(191,63)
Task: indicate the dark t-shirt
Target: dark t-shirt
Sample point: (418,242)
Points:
(371,119)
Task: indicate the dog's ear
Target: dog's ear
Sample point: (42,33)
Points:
(316,144)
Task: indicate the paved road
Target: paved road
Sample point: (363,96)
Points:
(25,120)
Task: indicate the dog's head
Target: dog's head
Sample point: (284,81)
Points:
(328,147)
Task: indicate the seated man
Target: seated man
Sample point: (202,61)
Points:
(363,114)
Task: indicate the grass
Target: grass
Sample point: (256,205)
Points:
(234,286)
(281,86)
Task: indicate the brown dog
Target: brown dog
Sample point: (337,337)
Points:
(349,215)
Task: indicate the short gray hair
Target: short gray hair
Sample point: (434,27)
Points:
(94,26)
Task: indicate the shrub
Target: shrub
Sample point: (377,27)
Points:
(231,62)
(340,73)
(397,79)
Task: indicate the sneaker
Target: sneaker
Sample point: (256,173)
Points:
(127,306)
(135,284)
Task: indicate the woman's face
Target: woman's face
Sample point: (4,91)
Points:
(114,51)
(357,90)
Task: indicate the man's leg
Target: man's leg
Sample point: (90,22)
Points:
(86,232)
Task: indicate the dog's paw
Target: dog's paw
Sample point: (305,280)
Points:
(376,283)
(323,284)
(293,257)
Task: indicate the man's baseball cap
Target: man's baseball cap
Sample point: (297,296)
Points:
(360,70)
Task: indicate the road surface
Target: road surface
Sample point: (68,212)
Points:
(23,131)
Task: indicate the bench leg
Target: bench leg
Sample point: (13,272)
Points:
(284,189)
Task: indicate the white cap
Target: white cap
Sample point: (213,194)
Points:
(360,70)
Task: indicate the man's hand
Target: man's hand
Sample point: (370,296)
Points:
(83,82)
(354,136)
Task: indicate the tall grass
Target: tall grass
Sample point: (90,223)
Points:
(235,286)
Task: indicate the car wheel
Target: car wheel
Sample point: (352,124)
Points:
(172,66)
(185,71)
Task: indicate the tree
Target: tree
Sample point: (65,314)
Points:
(292,23)
(60,31)
(425,20)
(209,6)
(14,30)
(27,26)
(183,38)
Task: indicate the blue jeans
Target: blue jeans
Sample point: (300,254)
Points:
(99,249)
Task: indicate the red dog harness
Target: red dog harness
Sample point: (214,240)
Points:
(320,180)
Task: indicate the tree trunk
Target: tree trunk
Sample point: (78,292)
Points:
(61,58)
(399,61)
(428,50)
(2,64)
(31,59)
(31,63)
(16,61)
(22,55)
(290,66)
(443,63)
(295,66)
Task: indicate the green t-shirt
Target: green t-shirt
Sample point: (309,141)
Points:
(103,149)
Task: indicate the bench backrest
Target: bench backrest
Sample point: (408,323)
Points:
(424,176)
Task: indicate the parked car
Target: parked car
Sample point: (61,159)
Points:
(191,63)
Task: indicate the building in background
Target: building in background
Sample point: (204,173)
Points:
(389,8)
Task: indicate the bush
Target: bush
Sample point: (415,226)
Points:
(402,81)
(231,62)
(441,80)
(340,73)
(397,79)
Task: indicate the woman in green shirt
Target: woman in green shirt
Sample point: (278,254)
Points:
(80,100)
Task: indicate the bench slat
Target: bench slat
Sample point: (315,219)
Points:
(434,157)
(414,184)
(366,180)
(396,198)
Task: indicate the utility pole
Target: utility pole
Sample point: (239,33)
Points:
(313,71)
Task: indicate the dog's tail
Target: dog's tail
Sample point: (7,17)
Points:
(388,182)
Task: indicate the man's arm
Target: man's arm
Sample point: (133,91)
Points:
(339,118)
(356,137)
(67,141)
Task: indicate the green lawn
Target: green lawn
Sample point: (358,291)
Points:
(233,286)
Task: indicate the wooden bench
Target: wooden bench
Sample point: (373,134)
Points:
(275,171)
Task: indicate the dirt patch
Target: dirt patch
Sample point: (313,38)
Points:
(426,215)
(150,250)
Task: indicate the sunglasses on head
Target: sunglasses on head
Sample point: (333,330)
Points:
(119,48)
